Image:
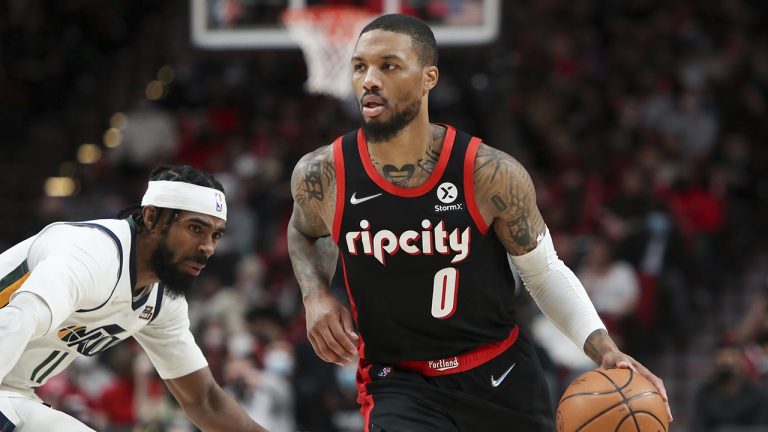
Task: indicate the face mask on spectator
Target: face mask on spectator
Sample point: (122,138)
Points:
(279,362)
(657,223)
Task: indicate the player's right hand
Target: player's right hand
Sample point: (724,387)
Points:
(330,328)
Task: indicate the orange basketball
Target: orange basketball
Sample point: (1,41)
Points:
(611,400)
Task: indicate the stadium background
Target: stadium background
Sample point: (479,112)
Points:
(642,122)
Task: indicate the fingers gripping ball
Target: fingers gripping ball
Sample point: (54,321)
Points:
(611,400)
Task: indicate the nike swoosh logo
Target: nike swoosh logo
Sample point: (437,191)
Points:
(497,382)
(354,200)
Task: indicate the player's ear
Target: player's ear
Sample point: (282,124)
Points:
(431,75)
(150,215)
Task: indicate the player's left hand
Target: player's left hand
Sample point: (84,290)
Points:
(617,359)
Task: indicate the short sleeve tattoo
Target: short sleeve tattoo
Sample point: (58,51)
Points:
(504,188)
(313,186)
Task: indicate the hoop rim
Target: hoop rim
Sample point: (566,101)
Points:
(327,35)
(319,12)
(337,24)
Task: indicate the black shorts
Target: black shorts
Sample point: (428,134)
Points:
(508,393)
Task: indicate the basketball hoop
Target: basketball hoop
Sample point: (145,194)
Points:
(327,36)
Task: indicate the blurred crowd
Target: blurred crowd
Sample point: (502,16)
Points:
(642,123)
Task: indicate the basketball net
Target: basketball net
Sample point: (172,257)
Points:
(327,36)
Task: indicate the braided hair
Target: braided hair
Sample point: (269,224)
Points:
(180,173)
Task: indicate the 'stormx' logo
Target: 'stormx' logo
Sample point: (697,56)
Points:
(447,192)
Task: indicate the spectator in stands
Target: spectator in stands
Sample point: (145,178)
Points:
(727,398)
(612,286)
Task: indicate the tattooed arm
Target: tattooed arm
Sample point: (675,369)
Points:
(506,199)
(311,182)
(329,324)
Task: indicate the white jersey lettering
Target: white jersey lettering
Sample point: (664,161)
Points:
(433,240)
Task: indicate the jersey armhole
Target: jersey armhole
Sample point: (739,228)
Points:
(469,185)
(158,301)
(338,164)
(119,247)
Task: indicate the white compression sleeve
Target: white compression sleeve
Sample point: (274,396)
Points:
(557,291)
(26,317)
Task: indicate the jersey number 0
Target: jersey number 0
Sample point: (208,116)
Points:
(444,292)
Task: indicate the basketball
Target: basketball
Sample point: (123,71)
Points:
(618,400)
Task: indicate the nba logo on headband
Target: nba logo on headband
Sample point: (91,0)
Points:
(219,202)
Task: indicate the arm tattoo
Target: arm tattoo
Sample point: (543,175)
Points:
(486,161)
(594,345)
(499,203)
(328,253)
(313,185)
(329,173)
(520,231)
(505,190)
(313,188)
(312,266)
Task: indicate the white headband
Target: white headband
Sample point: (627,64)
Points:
(186,196)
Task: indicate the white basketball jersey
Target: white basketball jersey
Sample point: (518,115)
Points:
(93,307)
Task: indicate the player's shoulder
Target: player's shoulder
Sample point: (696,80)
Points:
(502,184)
(321,154)
(93,234)
(487,151)
(493,166)
(315,168)
(88,245)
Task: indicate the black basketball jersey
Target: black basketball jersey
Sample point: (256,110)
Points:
(426,277)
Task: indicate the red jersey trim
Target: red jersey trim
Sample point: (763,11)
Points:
(364,398)
(469,185)
(445,155)
(464,362)
(353,306)
(338,164)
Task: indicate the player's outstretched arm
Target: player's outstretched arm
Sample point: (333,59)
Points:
(62,275)
(208,406)
(506,198)
(329,324)
(26,317)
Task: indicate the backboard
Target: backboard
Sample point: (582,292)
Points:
(255,24)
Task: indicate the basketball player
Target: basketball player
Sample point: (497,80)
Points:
(79,288)
(425,217)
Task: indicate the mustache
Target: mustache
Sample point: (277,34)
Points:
(197,259)
(373,93)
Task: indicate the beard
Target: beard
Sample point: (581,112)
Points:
(379,131)
(177,283)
